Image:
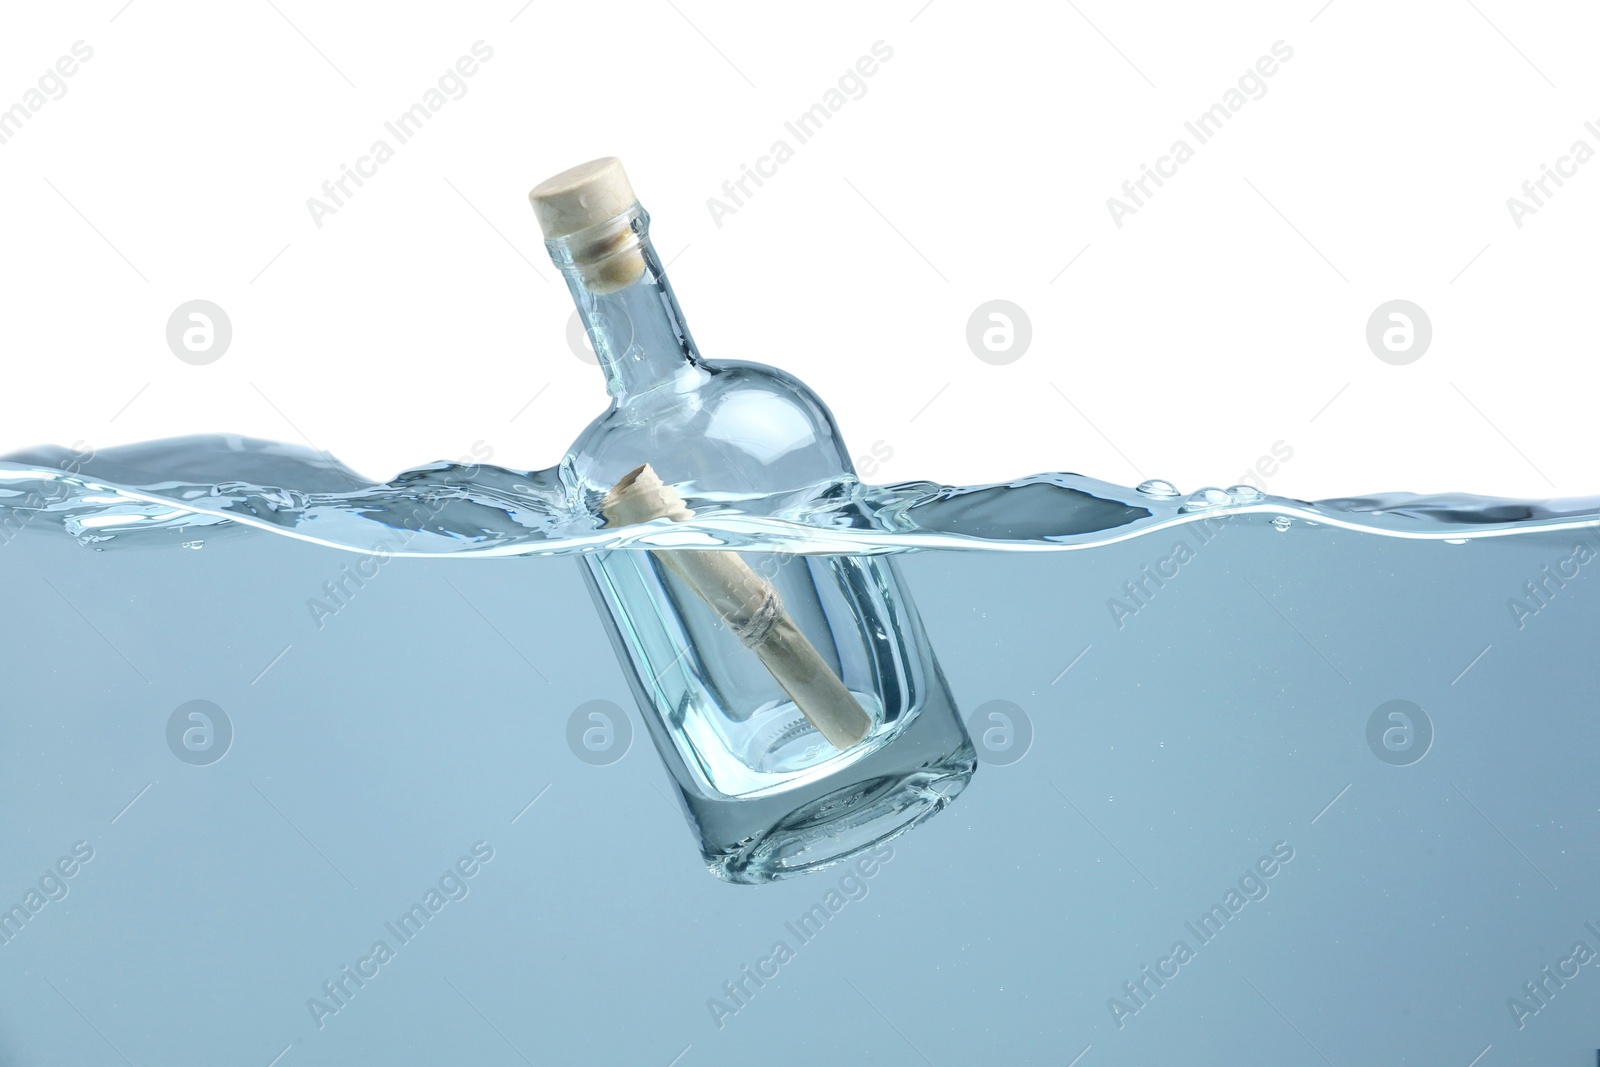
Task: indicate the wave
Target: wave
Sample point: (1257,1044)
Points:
(190,488)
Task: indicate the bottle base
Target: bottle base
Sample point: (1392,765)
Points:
(844,823)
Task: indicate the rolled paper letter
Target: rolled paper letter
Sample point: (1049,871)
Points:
(749,606)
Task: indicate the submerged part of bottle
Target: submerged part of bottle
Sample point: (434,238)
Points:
(747,761)
(767,792)
(750,607)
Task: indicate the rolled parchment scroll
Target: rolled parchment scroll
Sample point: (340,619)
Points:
(749,606)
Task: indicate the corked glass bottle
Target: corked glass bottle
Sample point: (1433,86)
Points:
(767,792)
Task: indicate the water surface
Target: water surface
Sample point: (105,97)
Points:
(1173,694)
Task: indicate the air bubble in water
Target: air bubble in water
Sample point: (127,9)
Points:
(1158,487)
(1245,494)
(1282,522)
(1209,497)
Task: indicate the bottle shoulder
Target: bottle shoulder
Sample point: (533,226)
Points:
(722,427)
(737,391)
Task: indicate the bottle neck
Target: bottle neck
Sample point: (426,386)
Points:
(627,306)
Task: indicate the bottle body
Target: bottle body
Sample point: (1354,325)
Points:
(717,432)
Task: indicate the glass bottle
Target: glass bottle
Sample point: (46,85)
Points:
(767,794)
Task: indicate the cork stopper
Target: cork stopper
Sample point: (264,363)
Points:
(579,199)
(587,194)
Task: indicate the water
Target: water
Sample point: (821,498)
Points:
(1388,702)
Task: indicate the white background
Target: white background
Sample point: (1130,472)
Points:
(1229,313)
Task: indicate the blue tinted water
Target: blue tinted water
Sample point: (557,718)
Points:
(1342,753)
